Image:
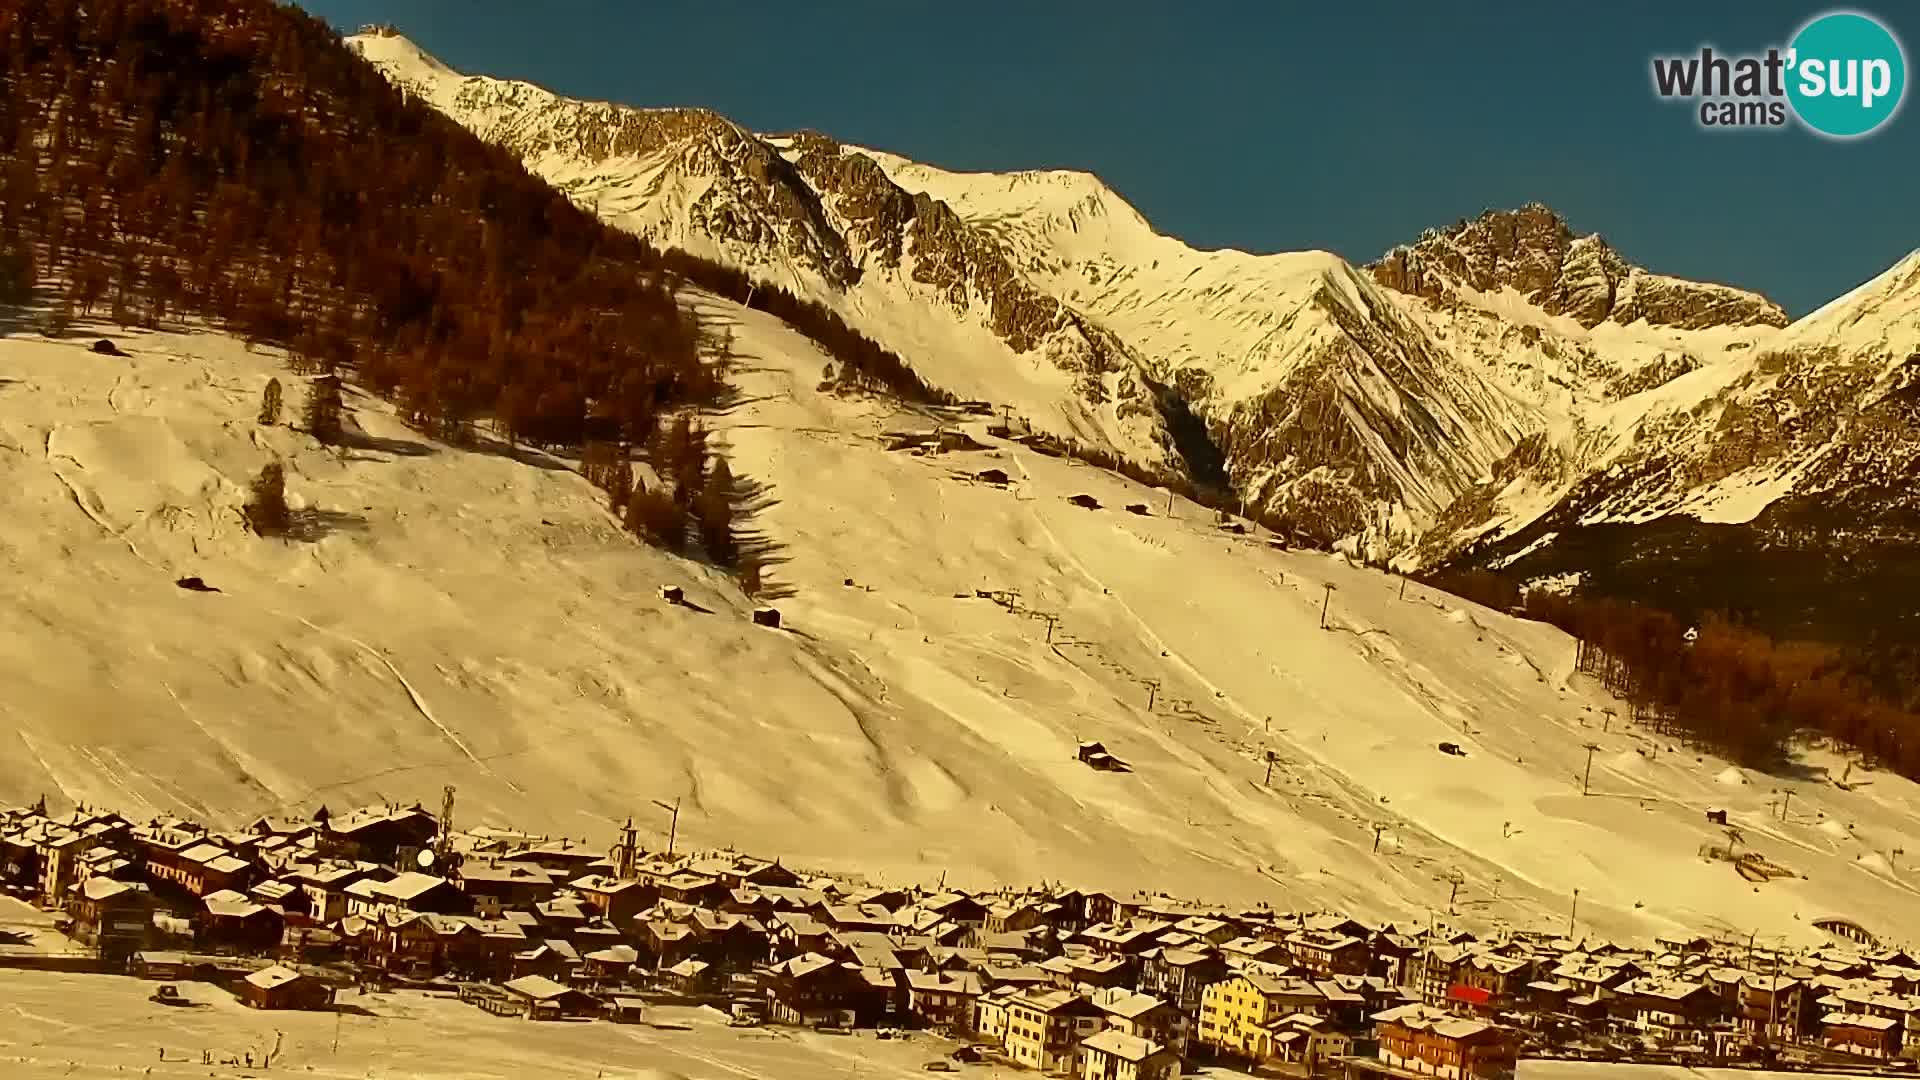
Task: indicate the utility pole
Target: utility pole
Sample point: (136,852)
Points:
(1588,775)
(1325,602)
(1169,503)
(1268,782)
(1153,689)
(673,827)
(1378,828)
(1051,619)
(1403,586)
(1785,801)
(1573,912)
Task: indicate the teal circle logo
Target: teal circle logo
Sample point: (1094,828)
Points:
(1846,74)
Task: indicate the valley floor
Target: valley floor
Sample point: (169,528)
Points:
(97,1026)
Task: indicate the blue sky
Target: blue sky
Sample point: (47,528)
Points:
(1265,125)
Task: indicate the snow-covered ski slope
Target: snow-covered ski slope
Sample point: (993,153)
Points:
(472,616)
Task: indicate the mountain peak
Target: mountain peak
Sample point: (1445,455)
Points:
(1534,251)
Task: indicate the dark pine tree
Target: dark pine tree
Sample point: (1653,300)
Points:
(270,403)
(266,507)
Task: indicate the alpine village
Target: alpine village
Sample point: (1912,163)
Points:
(299,914)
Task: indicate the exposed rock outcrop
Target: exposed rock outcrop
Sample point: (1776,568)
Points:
(1534,252)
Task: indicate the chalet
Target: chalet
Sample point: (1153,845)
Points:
(614,899)
(1012,916)
(115,917)
(387,835)
(1670,1010)
(941,999)
(1861,1034)
(609,966)
(494,885)
(1771,1006)
(1116,1055)
(1045,1029)
(1206,930)
(410,891)
(689,978)
(1179,976)
(552,958)
(1488,984)
(562,915)
(688,887)
(811,989)
(195,866)
(1300,1039)
(1594,980)
(1327,952)
(1244,951)
(1143,1016)
(1103,907)
(1421,1039)
(539,998)
(594,934)
(162,965)
(869,917)
(666,941)
(740,871)
(1430,972)
(325,886)
(279,987)
(1130,939)
(956,908)
(1390,953)
(229,920)
(621,1009)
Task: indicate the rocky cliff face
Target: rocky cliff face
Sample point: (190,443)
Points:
(1405,407)
(824,221)
(1535,253)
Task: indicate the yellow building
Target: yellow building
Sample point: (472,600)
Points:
(1237,1015)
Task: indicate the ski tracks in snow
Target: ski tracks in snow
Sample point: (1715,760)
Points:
(419,703)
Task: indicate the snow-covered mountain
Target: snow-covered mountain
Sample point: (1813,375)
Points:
(1463,397)
(468,615)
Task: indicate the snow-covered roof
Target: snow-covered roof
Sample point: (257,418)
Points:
(1119,1044)
(270,978)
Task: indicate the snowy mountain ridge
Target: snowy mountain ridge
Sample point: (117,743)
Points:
(1433,405)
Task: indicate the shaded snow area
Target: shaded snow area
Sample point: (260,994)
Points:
(474,616)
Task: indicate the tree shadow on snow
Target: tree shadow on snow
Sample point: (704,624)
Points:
(757,547)
(376,444)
